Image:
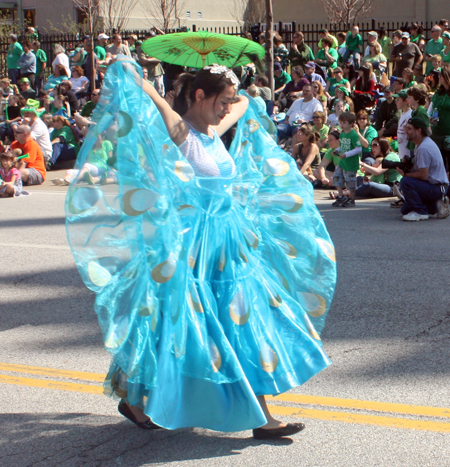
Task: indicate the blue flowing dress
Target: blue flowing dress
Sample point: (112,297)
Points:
(213,271)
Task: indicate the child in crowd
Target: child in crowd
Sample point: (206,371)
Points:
(339,109)
(353,45)
(437,64)
(12,117)
(11,181)
(349,151)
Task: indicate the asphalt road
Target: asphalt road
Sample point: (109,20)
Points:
(384,401)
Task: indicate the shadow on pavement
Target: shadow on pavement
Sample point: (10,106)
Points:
(32,222)
(76,439)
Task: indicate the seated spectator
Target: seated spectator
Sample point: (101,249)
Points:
(293,89)
(385,41)
(436,64)
(79,82)
(311,75)
(60,106)
(333,118)
(65,142)
(281,78)
(416,35)
(301,111)
(280,52)
(363,95)
(12,117)
(319,94)
(66,91)
(7,88)
(253,91)
(349,72)
(398,84)
(376,58)
(89,107)
(54,80)
(342,94)
(11,181)
(319,119)
(417,99)
(39,131)
(378,182)
(387,115)
(425,185)
(353,45)
(366,133)
(25,89)
(445,52)
(336,81)
(300,53)
(408,77)
(32,168)
(305,151)
(61,59)
(330,160)
(325,34)
(327,56)
(263,83)
(419,77)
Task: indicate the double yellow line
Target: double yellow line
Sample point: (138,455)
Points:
(392,412)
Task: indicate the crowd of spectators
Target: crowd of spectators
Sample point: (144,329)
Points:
(345,114)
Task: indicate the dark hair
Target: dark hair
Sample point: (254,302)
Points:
(362,113)
(79,70)
(62,70)
(308,130)
(212,84)
(417,26)
(335,132)
(418,95)
(401,81)
(446,76)
(382,32)
(298,70)
(443,21)
(342,35)
(26,44)
(65,122)
(11,155)
(264,80)
(351,68)
(325,40)
(385,147)
(348,117)
(409,73)
(365,78)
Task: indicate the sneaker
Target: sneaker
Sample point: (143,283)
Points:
(414,216)
(87,177)
(442,208)
(350,203)
(58,181)
(397,192)
(340,200)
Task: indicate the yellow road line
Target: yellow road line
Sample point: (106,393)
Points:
(45,383)
(390,422)
(364,405)
(36,370)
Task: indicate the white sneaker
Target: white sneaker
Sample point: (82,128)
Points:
(57,181)
(414,216)
(442,208)
(397,192)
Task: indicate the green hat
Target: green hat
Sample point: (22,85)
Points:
(24,80)
(446,35)
(31,106)
(418,122)
(403,94)
(344,90)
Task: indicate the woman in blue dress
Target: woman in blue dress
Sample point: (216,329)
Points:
(213,270)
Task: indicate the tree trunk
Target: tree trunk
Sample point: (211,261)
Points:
(269,45)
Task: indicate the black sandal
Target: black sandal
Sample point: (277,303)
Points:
(127,413)
(275,433)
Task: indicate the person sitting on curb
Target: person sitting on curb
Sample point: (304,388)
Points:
(425,186)
(32,168)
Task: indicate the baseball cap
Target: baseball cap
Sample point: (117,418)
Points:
(372,33)
(310,65)
(405,34)
(418,122)
(102,36)
(446,35)
(24,80)
(277,66)
(403,94)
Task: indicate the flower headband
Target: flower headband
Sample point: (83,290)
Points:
(221,69)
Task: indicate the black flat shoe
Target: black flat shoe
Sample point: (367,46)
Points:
(127,413)
(288,430)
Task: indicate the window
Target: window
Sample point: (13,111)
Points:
(188,14)
(199,15)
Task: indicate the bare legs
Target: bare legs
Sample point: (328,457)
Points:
(271,422)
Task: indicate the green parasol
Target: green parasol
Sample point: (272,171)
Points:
(200,49)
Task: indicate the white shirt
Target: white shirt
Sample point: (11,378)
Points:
(401,135)
(62,59)
(301,110)
(78,83)
(39,132)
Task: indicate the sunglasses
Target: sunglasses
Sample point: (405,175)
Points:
(316,116)
(374,145)
(362,118)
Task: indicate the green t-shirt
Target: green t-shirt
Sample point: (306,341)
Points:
(352,43)
(349,141)
(329,156)
(82,53)
(282,80)
(377,58)
(369,133)
(68,135)
(385,42)
(335,84)
(333,53)
(391,175)
(441,103)
(432,48)
(41,58)
(99,156)
(15,51)
(323,132)
(100,52)
(87,109)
